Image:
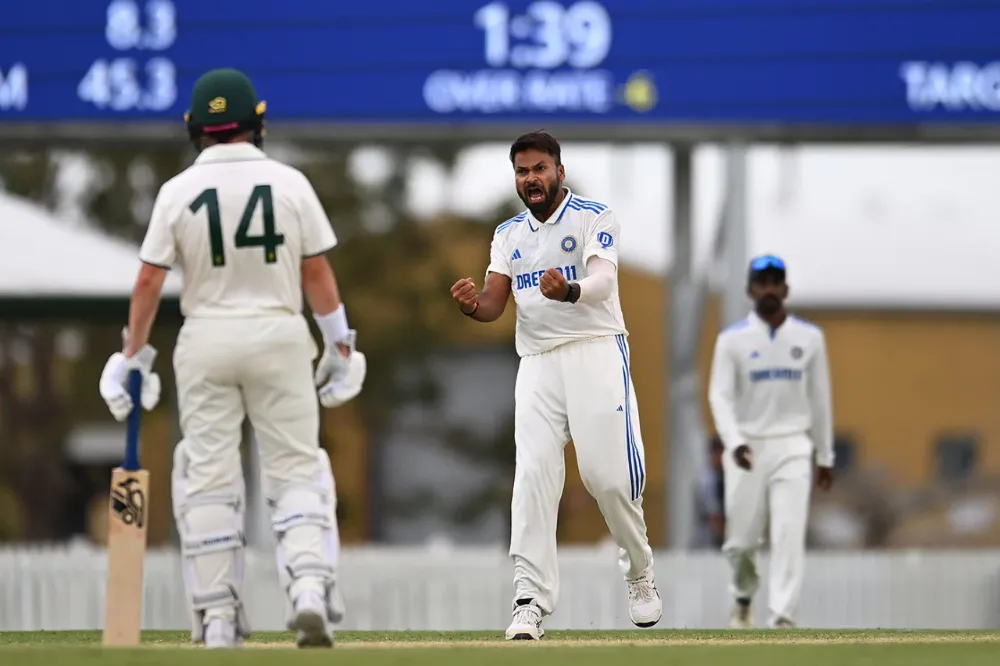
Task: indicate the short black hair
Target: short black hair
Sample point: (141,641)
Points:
(538,140)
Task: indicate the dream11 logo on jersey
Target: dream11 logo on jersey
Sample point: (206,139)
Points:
(959,86)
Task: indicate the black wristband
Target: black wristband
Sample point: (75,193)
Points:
(573,293)
(469,314)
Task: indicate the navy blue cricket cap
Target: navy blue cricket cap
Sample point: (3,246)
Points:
(766,264)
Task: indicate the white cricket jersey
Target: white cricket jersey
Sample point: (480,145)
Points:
(768,383)
(524,248)
(238,224)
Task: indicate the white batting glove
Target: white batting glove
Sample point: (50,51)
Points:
(336,392)
(333,366)
(114,382)
(341,371)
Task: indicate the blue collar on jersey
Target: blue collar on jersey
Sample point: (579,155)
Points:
(756,320)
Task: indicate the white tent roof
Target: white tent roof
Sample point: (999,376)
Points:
(44,256)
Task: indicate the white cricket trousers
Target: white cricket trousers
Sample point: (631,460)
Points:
(260,368)
(580,391)
(773,494)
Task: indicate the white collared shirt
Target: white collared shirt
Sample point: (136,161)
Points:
(231,268)
(768,383)
(523,248)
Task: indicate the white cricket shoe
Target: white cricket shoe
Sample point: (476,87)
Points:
(220,633)
(782,623)
(527,623)
(742,616)
(310,621)
(644,605)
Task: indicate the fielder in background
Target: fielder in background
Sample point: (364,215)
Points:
(560,259)
(770,398)
(251,237)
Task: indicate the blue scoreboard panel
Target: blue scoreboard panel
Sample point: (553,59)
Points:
(406,63)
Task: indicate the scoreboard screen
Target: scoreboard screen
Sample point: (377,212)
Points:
(831,63)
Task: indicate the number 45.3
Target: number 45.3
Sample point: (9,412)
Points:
(269,240)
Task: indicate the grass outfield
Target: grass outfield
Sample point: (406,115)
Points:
(569,648)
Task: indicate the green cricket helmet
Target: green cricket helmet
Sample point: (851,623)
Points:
(225,101)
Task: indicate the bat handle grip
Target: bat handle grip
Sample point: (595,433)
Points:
(131,462)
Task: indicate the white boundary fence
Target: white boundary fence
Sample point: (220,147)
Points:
(62,587)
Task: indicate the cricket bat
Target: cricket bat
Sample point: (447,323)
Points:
(128,520)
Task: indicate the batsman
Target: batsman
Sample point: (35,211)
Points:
(251,238)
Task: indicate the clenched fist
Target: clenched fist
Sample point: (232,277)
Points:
(465,293)
(553,285)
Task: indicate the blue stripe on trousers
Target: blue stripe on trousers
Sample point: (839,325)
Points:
(637,475)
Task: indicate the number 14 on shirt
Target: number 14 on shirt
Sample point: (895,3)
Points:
(270,240)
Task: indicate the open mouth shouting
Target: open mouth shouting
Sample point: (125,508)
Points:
(534,195)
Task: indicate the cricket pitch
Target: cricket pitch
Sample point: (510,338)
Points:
(560,648)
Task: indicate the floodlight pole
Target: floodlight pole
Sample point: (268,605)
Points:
(733,232)
(685,308)
(683,311)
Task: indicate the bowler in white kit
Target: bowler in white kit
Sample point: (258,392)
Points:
(251,238)
(770,398)
(560,259)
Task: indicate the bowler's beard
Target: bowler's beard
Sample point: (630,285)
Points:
(543,207)
(768,305)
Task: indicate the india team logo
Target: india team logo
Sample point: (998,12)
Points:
(796,353)
(605,239)
(568,244)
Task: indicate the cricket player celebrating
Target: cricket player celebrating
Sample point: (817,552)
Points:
(770,398)
(560,259)
(251,237)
